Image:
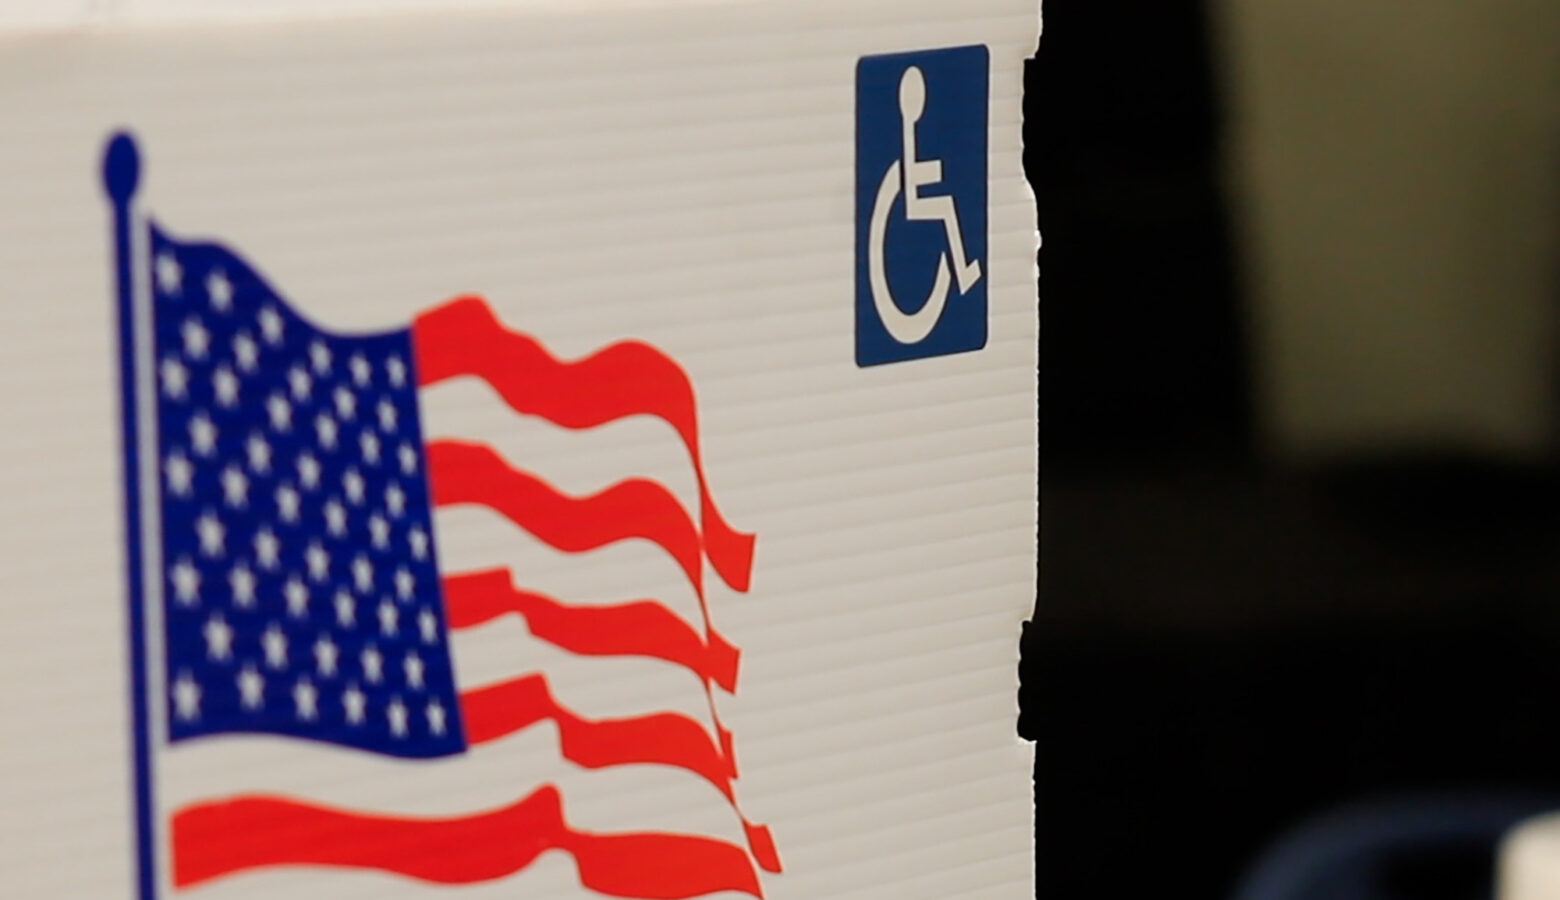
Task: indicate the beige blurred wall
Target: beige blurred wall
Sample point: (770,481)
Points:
(1396,169)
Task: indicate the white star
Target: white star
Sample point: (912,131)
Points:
(186,582)
(271,325)
(308,470)
(220,290)
(346,609)
(436,717)
(353,703)
(251,688)
(267,548)
(395,499)
(197,340)
(363,574)
(346,403)
(396,712)
(361,371)
(388,618)
(408,459)
(203,435)
(335,518)
(297,595)
(317,560)
(280,411)
(211,533)
(386,416)
(353,483)
(325,654)
(186,698)
(219,638)
(275,644)
(306,698)
(181,474)
(373,665)
(325,428)
(300,383)
(175,378)
(369,443)
(418,539)
(170,275)
(405,584)
(287,502)
(242,582)
(245,351)
(396,370)
(259,454)
(413,665)
(428,624)
(224,384)
(235,487)
(319,357)
(379,531)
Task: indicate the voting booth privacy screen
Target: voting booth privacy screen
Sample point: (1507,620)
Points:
(546,450)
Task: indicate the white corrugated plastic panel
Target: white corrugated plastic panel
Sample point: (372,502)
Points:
(597,291)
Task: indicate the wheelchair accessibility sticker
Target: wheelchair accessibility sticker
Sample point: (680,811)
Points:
(921,121)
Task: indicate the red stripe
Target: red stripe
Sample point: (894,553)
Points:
(463,337)
(634,629)
(465,472)
(639,628)
(665,738)
(211,840)
(462,472)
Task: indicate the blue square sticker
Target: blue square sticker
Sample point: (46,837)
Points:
(921,267)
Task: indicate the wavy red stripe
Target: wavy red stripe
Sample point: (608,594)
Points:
(211,840)
(664,738)
(468,472)
(638,628)
(478,597)
(462,472)
(464,337)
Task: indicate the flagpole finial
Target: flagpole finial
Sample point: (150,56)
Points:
(121,167)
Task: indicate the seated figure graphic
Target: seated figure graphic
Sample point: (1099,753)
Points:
(909,175)
(919,173)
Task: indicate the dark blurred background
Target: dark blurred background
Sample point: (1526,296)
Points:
(1299,419)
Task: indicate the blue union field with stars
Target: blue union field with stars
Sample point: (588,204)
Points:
(301,587)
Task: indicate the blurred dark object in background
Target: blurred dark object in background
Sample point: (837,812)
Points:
(1232,638)
(1392,847)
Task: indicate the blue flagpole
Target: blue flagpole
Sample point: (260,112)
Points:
(121,174)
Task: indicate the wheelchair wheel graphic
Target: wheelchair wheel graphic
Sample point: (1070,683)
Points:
(906,328)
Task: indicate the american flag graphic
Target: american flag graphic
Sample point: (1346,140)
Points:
(289,580)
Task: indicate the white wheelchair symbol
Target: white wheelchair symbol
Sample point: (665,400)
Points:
(910,174)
